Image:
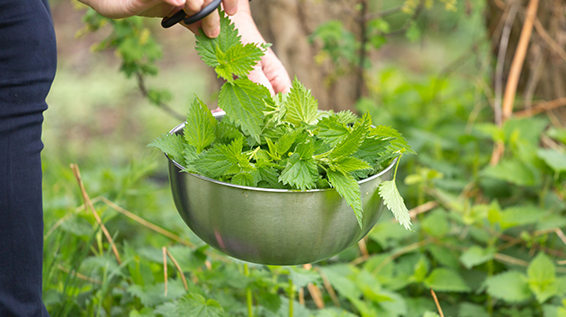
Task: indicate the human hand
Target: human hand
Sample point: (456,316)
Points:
(269,72)
(117,9)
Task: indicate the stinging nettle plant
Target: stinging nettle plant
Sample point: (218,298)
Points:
(281,142)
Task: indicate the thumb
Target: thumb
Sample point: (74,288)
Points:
(257,76)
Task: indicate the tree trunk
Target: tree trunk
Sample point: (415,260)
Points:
(287,24)
(543,76)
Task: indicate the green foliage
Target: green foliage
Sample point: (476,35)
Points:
(487,245)
(311,156)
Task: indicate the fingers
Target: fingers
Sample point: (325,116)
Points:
(275,73)
(258,76)
(210,24)
(230,6)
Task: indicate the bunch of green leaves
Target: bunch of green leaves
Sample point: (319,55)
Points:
(281,142)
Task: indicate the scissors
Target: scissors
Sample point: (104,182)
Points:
(182,15)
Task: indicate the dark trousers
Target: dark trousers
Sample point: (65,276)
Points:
(27,67)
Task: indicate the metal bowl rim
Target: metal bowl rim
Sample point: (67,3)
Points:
(261,189)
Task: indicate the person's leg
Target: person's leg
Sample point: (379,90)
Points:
(27,67)
(21,216)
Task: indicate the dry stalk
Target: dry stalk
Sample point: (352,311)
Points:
(549,40)
(509,259)
(67,216)
(178,269)
(363,248)
(79,275)
(302,296)
(541,107)
(436,302)
(329,289)
(561,262)
(497,153)
(164,249)
(89,204)
(413,213)
(519,59)
(316,295)
(145,223)
(503,44)
(404,250)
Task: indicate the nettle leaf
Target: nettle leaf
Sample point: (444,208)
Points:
(347,186)
(208,48)
(542,277)
(397,142)
(512,171)
(554,159)
(476,256)
(242,100)
(222,159)
(371,149)
(196,305)
(346,117)
(239,60)
(332,131)
(173,145)
(200,128)
(510,286)
(352,142)
(349,164)
(190,154)
(301,171)
(300,105)
(445,280)
(393,200)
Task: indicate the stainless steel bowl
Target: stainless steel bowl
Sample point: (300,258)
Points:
(272,226)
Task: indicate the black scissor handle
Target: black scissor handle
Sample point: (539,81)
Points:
(180,16)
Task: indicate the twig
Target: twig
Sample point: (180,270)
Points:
(164,249)
(497,153)
(363,248)
(89,204)
(405,27)
(413,213)
(302,296)
(316,296)
(404,250)
(509,259)
(67,216)
(145,223)
(329,289)
(534,78)
(518,60)
(503,44)
(79,275)
(541,107)
(363,48)
(383,13)
(436,302)
(178,269)
(560,235)
(551,42)
(561,262)
(144,91)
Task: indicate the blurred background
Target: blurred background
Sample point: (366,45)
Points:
(486,190)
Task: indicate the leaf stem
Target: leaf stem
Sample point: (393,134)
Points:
(249,299)
(396,166)
(291,297)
